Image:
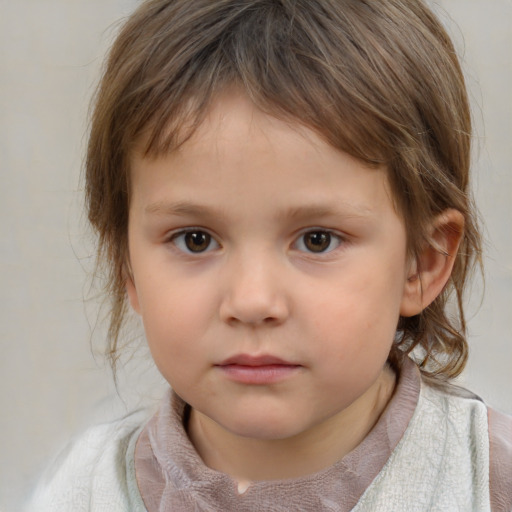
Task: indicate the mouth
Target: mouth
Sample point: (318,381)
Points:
(257,370)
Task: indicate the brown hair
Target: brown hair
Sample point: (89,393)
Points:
(378,79)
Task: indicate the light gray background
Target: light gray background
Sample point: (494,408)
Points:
(52,384)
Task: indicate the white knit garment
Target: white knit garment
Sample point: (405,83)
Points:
(441,464)
(97,473)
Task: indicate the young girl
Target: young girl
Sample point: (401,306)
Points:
(280,188)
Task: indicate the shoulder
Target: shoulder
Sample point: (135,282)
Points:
(461,413)
(485,426)
(500,454)
(95,472)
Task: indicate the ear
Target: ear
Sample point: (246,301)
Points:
(432,267)
(131,290)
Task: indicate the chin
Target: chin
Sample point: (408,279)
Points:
(264,428)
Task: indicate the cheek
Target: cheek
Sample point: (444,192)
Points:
(364,300)
(170,337)
(355,322)
(175,319)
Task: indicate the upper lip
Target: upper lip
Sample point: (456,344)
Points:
(250,360)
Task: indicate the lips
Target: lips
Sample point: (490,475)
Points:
(248,360)
(257,370)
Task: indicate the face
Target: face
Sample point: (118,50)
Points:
(268,269)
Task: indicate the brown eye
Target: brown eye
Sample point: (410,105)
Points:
(317,241)
(197,241)
(194,241)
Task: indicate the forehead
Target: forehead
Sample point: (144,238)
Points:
(240,156)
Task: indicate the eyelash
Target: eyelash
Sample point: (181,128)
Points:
(179,240)
(332,238)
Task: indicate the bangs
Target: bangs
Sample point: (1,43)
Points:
(295,64)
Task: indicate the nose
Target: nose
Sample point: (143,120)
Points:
(254,293)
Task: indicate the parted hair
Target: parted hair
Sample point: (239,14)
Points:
(378,79)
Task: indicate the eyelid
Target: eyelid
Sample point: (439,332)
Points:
(342,239)
(172,236)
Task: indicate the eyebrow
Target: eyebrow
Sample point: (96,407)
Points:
(180,208)
(339,209)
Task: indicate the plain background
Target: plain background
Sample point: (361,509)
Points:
(52,383)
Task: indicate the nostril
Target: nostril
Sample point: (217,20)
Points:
(269,320)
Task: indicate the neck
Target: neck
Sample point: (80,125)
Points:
(247,459)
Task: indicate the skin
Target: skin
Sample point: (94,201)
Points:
(257,186)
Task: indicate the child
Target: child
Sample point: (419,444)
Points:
(280,188)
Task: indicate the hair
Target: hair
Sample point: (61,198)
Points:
(378,79)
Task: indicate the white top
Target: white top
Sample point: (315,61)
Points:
(97,473)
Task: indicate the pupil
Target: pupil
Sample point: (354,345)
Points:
(197,241)
(318,241)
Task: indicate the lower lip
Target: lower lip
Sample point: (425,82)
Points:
(265,374)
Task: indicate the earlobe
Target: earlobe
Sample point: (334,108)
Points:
(431,269)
